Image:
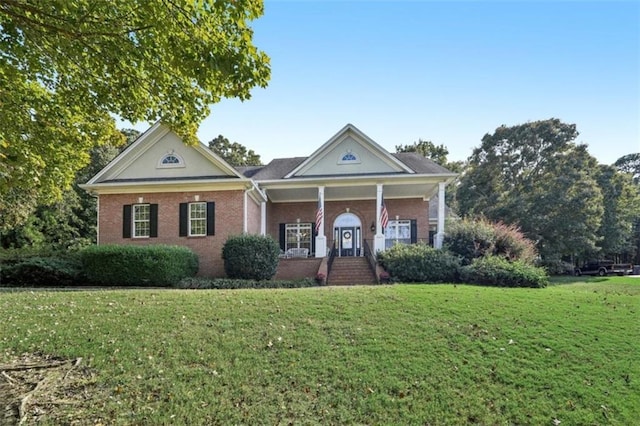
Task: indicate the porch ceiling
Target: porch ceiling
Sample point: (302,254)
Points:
(352,190)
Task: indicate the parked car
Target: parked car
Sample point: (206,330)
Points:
(603,268)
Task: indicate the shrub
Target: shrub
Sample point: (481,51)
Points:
(419,263)
(128,265)
(472,239)
(469,239)
(40,272)
(228,283)
(499,272)
(251,257)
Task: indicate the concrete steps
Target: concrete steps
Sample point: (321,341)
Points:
(349,271)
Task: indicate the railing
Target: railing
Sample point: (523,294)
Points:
(332,256)
(370,256)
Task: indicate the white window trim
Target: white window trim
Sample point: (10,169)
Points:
(134,221)
(298,227)
(190,219)
(180,164)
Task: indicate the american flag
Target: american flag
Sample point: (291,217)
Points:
(319,214)
(384,215)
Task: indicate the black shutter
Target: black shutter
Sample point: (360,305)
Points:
(282,236)
(211,218)
(414,231)
(126,221)
(313,237)
(153,220)
(184,219)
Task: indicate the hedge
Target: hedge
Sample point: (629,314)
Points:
(419,263)
(251,257)
(128,265)
(499,272)
(230,283)
(37,271)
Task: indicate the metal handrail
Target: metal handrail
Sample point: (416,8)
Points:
(332,256)
(368,254)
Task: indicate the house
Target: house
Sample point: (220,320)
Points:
(347,197)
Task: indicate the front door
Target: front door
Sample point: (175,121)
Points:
(346,241)
(347,233)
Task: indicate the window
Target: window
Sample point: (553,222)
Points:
(141,220)
(171,160)
(298,236)
(197,219)
(349,157)
(398,231)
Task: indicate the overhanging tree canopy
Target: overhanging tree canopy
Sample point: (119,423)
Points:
(65,67)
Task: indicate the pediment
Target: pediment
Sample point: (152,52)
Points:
(349,153)
(161,154)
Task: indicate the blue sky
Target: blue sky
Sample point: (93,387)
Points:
(448,72)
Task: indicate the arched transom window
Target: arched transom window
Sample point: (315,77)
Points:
(172,159)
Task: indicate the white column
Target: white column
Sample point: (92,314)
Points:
(378,240)
(263,218)
(321,239)
(439,238)
(246,212)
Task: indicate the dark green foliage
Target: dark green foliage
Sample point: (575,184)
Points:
(556,266)
(230,283)
(251,257)
(499,272)
(419,263)
(39,271)
(471,239)
(537,177)
(128,265)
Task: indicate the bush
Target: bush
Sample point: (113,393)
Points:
(40,272)
(472,239)
(499,272)
(251,257)
(129,265)
(419,263)
(228,283)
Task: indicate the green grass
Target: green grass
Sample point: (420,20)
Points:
(403,354)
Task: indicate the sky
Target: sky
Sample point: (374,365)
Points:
(448,72)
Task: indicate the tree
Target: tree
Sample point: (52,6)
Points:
(234,153)
(437,153)
(534,176)
(66,67)
(70,221)
(621,207)
(630,164)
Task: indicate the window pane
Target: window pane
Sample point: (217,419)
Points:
(298,235)
(141,223)
(197,219)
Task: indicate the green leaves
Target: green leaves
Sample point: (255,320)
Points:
(66,67)
(533,175)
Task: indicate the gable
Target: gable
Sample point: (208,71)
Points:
(349,152)
(159,154)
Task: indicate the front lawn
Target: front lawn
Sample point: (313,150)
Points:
(402,354)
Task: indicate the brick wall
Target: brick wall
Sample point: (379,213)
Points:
(253,216)
(228,221)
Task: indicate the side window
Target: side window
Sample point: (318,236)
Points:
(197,219)
(140,221)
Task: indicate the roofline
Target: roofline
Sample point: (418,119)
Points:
(438,177)
(361,135)
(169,186)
